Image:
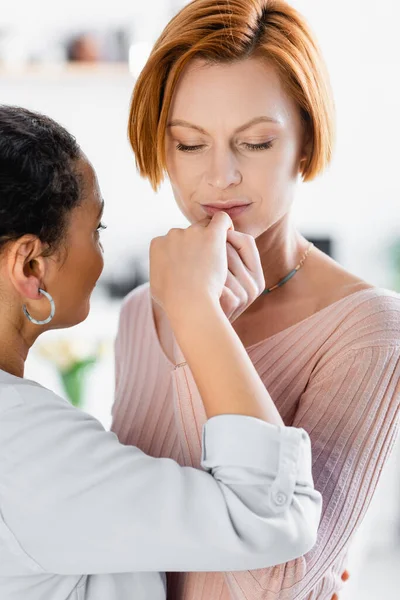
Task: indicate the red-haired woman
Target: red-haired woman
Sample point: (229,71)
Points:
(234,105)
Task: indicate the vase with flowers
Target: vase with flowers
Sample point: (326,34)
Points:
(73,360)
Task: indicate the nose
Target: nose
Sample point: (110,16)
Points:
(223,169)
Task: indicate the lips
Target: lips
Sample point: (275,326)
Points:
(233,209)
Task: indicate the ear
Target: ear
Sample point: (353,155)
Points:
(303,159)
(306,149)
(27,266)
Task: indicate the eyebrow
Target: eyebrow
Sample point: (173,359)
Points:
(255,121)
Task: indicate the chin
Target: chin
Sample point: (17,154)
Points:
(74,319)
(248,228)
(85,313)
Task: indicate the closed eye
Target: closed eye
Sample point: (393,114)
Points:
(263,146)
(184,148)
(252,147)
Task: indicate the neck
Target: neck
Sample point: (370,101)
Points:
(280,248)
(14,348)
(13,362)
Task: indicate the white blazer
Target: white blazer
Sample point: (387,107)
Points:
(83,517)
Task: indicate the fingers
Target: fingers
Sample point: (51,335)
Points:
(245,288)
(246,250)
(245,245)
(229,303)
(235,298)
(238,289)
(220,220)
(203,223)
(224,222)
(241,273)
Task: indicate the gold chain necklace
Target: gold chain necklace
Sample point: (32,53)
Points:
(292,273)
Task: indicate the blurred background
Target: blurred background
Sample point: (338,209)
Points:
(77,61)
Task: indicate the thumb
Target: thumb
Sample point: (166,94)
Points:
(221,221)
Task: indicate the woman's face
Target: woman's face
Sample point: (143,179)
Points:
(74,276)
(234,137)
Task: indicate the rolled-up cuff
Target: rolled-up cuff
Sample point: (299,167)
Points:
(282,453)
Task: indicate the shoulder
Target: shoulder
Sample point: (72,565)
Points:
(28,395)
(358,326)
(135,310)
(137,300)
(350,303)
(371,316)
(31,412)
(136,338)
(16,393)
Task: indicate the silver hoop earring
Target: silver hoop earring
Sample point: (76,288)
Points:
(52,310)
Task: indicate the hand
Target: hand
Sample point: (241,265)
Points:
(188,266)
(345,576)
(245,280)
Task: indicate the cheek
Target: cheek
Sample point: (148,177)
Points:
(91,267)
(184,171)
(183,180)
(181,174)
(172,162)
(98,262)
(288,160)
(278,172)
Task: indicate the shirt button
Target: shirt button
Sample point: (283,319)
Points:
(280,498)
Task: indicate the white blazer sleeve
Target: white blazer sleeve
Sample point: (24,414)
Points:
(77,501)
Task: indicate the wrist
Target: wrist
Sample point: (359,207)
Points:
(193,311)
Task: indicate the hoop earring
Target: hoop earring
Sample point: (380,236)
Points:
(52,310)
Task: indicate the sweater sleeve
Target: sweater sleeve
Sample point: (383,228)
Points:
(350,409)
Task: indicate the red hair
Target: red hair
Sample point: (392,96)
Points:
(226,31)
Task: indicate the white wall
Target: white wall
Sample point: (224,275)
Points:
(95,109)
(46,15)
(360,195)
(356,201)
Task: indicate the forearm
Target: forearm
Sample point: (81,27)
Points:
(226,378)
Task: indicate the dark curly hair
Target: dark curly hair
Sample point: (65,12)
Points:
(39,180)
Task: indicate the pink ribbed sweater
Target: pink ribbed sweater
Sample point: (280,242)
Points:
(336,374)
